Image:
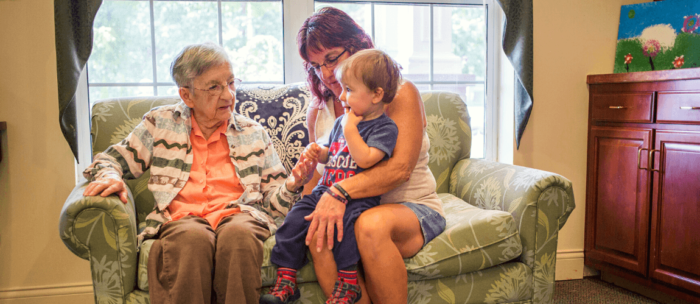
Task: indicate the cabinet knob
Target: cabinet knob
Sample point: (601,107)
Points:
(616,107)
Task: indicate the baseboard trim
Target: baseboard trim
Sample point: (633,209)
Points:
(44,291)
(569,265)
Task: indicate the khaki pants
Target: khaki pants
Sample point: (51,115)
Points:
(190,260)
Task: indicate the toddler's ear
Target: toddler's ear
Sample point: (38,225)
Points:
(378,95)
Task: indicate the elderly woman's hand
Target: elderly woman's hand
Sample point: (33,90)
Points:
(302,172)
(328,214)
(106,186)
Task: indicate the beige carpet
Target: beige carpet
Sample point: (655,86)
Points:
(594,290)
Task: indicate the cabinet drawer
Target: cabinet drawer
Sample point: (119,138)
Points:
(626,107)
(679,107)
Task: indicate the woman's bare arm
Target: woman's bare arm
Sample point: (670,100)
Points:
(311,115)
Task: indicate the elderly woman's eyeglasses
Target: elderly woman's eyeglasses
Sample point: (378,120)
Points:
(217,89)
(330,63)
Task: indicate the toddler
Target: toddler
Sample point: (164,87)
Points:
(360,138)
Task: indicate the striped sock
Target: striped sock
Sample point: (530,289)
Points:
(287,273)
(348,275)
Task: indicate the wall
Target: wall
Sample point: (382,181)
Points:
(37,171)
(572,39)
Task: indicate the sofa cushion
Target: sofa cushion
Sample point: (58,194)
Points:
(456,251)
(473,239)
(449,132)
(510,282)
(281,110)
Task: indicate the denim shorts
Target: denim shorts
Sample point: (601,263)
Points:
(431,222)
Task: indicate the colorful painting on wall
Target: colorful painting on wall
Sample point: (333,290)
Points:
(659,35)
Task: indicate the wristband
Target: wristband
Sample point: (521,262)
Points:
(345,193)
(336,196)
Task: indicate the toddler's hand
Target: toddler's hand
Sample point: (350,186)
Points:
(312,152)
(352,118)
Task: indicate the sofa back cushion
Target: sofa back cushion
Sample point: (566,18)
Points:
(449,132)
(281,109)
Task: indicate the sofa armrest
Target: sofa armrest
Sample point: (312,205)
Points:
(497,186)
(539,201)
(103,231)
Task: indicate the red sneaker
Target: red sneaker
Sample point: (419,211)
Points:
(344,293)
(284,291)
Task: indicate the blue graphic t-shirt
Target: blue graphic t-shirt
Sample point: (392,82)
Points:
(380,133)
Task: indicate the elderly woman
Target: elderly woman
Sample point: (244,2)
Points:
(217,181)
(410,213)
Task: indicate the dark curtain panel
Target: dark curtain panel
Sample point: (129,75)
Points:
(517,44)
(73,20)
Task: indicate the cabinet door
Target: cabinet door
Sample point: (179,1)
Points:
(675,223)
(617,200)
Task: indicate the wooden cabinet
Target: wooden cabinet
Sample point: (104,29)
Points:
(618,196)
(675,221)
(643,180)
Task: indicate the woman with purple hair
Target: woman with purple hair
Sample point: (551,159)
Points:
(410,213)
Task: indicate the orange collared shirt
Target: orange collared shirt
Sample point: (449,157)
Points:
(213,182)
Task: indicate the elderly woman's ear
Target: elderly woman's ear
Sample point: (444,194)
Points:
(186,96)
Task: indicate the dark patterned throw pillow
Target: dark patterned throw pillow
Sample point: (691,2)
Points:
(281,109)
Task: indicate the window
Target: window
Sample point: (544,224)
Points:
(441,45)
(135,42)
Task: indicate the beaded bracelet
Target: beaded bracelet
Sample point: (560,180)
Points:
(336,196)
(345,193)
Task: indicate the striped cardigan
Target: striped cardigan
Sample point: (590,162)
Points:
(161,142)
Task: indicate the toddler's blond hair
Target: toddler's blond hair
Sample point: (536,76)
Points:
(375,69)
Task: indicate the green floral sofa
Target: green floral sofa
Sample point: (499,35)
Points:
(499,245)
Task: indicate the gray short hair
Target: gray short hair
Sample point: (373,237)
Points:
(196,59)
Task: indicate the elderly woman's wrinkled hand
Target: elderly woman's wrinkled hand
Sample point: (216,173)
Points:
(302,173)
(106,186)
